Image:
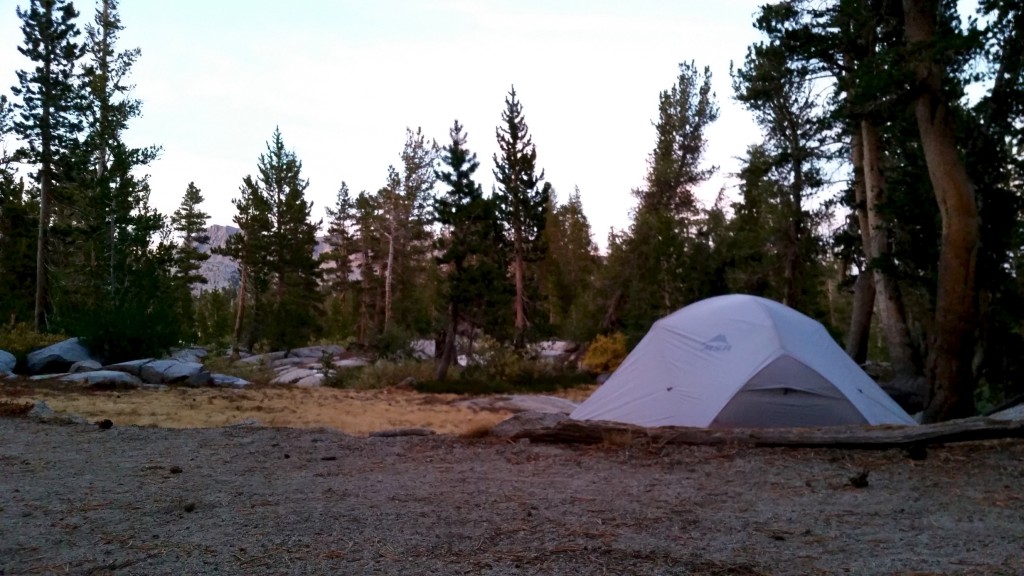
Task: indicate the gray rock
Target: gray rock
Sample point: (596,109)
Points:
(103,378)
(316,352)
(285,363)
(526,421)
(43,413)
(350,363)
(1015,413)
(85,366)
(43,377)
(174,372)
(423,349)
(521,403)
(58,357)
(311,381)
(396,432)
(226,381)
(133,367)
(264,358)
(293,375)
(7,362)
(197,355)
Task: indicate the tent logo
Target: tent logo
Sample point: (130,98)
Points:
(718,344)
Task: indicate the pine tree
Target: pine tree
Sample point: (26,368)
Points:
(274,250)
(655,272)
(49,114)
(369,248)
(336,261)
(189,223)
(522,204)
(112,283)
(469,232)
(569,270)
(18,229)
(784,101)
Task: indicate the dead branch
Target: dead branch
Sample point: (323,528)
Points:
(856,437)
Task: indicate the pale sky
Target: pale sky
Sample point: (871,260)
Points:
(344,78)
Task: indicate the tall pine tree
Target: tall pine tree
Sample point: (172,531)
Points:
(18,229)
(275,252)
(49,114)
(469,229)
(522,204)
(111,274)
(654,264)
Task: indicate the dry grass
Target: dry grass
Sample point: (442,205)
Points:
(14,408)
(353,411)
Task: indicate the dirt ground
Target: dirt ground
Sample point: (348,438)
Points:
(76,499)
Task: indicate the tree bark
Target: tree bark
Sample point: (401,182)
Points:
(859,336)
(856,437)
(240,313)
(892,313)
(45,193)
(448,356)
(860,319)
(520,304)
(949,367)
(388,278)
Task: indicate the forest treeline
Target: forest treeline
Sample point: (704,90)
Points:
(884,199)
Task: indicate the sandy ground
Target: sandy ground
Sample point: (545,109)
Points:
(75,499)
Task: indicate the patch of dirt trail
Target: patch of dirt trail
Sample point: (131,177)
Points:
(252,500)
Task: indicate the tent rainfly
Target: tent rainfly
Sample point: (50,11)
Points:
(740,361)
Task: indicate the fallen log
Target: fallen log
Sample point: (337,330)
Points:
(858,437)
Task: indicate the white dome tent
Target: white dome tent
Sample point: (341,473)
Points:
(740,361)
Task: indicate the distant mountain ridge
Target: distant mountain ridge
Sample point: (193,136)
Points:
(222,272)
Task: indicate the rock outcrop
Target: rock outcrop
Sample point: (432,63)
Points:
(58,357)
(526,421)
(165,371)
(103,379)
(521,403)
(7,362)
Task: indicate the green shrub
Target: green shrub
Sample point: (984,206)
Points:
(22,338)
(257,373)
(605,353)
(383,374)
(468,382)
(393,344)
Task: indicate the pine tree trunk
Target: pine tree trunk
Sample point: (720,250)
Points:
(45,194)
(448,355)
(949,366)
(388,280)
(858,337)
(240,313)
(887,292)
(792,269)
(364,298)
(520,304)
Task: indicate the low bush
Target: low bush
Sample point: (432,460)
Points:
(468,382)
(605,353)
(383,374)
(22,338)
(257,373)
